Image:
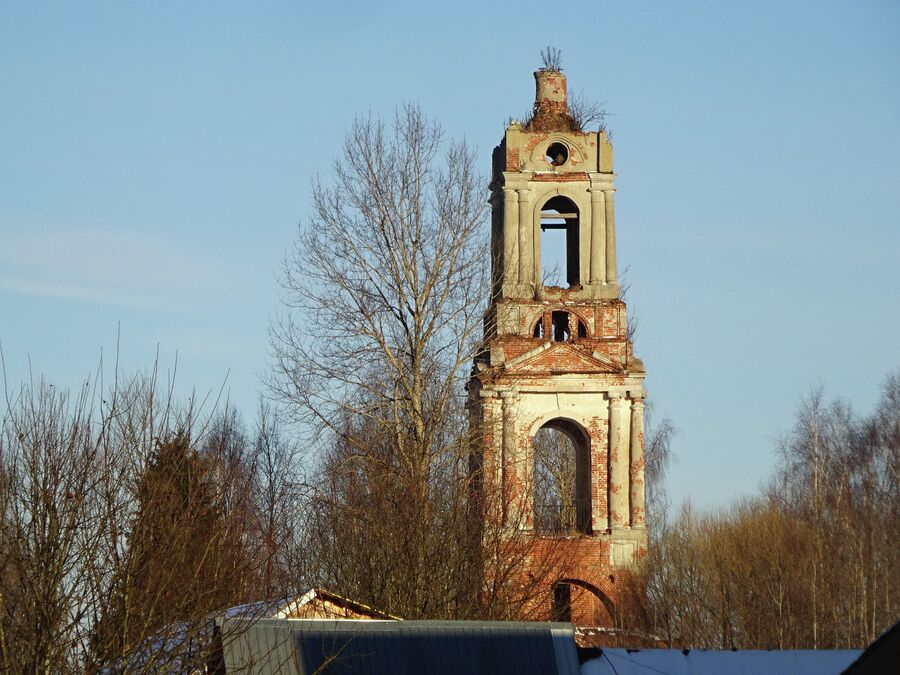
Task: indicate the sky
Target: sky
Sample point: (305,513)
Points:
(156,160)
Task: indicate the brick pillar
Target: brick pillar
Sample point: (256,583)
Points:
(619,426)
(599,470)
(637,462)
(514,487)
(573,327)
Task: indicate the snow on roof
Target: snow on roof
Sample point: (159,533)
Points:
(281,608)
(713,662)
(261,608)
(179,646)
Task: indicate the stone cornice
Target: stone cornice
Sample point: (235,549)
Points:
(632,390)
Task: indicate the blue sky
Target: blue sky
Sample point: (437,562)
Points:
(155,160)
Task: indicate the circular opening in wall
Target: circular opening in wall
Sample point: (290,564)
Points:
(557,154)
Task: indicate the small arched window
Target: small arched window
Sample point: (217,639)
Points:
(560,321)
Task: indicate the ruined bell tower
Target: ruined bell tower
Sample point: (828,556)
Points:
(557,357)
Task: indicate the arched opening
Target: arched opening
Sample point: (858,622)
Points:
(562,603)
(559,326)
(559,242)
(562,487)
(584,604)
(560,322)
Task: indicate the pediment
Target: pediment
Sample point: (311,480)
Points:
(562,357)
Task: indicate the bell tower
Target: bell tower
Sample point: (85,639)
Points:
(557,361)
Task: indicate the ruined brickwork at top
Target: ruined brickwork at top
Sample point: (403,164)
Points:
(551,109)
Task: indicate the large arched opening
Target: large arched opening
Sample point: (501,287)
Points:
(562,478)
(560,262)
(578,601)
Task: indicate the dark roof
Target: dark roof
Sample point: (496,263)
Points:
(880,656)
(715,662)
(397,647)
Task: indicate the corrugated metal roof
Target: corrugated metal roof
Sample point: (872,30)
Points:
(304,647)
(715,662)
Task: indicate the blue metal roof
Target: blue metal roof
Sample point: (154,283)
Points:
(397,647)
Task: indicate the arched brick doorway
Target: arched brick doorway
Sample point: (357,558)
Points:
(582,603)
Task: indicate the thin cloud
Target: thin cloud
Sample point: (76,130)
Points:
(112,268)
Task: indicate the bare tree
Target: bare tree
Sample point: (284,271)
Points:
(586,113)
(384,294)
(280,497)
(658,455)
(384,299)
(383,289)
(125,521)
(811,563)
(50,465)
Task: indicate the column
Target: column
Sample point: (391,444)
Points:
(512,487)
(526,250)
(600,471)
(611,275)
(598,237)
(637,462)
(492,459)
(510,237)
(585,226)
(618,461)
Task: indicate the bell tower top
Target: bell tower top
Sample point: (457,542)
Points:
(553,227)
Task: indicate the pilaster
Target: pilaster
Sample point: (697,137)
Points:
(510,238)
(611,273)
(598,236)
(619,427)
(637,462)
(526,237)
(600,468)
(512,492)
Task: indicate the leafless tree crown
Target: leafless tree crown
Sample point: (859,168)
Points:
(813,562)
(126,521)
(586,114)
(384,296)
